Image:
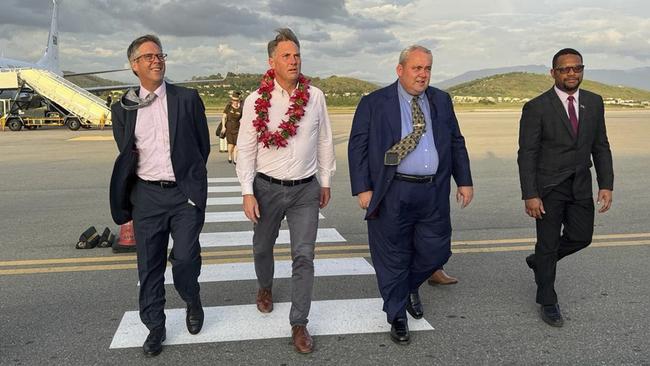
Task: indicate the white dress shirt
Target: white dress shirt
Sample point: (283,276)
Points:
(564,97)
(152,138)
(309,152)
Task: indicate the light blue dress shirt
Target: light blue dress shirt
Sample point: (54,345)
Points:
(424,159)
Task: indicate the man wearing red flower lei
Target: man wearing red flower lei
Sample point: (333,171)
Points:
(286,160)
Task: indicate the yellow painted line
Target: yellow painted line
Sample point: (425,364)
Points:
(92,138)
(286,257)
(131,257)
(532,240)
(532,247)
(67,269)
(110,267)
(239,256)
(35,262)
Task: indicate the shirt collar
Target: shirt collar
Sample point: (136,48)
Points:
(277,88)
(564,95)
(160,92)
(404,95)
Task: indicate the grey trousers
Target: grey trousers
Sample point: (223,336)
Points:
(300,205)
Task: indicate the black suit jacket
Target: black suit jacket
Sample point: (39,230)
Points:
(549,153)
(190,147)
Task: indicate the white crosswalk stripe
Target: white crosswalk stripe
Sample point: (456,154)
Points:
(232,216)
(246,271)
(224,189)
(245,322)
(219,201)
(223,180)
(237,238)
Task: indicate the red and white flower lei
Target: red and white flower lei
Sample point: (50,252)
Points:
(296,110)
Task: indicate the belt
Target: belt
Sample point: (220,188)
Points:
(281,182)
(415,178)
(159,183)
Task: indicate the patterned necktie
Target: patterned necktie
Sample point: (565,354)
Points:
(403,147)
(131,96)
(573,117)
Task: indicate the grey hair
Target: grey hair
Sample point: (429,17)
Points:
(133,47)
(284,34)
(405,52)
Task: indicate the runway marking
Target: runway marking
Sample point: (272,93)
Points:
(232,216)
(245,322)
(91,138)
(238,238)
(533,240)
(219,201)
(223,189)
(223,180)
(246,271)
(131,257)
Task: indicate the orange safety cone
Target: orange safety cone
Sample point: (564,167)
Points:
(126,242)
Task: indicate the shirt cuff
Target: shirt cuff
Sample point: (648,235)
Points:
(325,180)
(247,188)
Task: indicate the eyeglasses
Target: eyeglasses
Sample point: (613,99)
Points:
(149,57)
(565,70)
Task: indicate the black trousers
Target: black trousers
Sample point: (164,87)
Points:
(566,228)
(157,214)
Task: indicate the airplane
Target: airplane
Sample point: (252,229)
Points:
(50,62)
(50,59)
(23,98)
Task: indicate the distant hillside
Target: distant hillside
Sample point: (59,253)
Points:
(528,85)
(87,81)
(636,78)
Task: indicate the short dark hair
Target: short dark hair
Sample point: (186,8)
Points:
(133,47)
(284,34)
(565,51)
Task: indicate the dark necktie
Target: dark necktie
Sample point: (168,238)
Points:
(403,147)
(573,117)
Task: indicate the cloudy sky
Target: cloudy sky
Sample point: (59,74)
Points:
(359,38)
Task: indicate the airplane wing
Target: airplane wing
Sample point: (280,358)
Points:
(95,89)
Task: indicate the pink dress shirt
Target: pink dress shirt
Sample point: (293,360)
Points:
(152,138)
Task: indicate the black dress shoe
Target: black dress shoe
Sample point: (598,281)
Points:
(399,331)
(153,345)
(194,317)
(530,261)
(414,306)
(551,315)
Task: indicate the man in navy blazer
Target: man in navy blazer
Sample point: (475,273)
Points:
(160,181)
(407,197)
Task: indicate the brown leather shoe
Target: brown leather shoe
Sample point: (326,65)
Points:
(302,341)
(264,300)
(439,277)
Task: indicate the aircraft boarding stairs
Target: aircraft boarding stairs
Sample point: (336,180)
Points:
(90,109)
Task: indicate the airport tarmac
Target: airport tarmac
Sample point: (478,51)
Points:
(65,306)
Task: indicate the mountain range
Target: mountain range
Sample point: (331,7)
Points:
(637,78)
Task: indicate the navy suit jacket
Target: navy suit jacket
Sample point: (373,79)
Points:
(377,127)
(189,146)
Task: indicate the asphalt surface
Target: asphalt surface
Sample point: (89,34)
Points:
(64,307)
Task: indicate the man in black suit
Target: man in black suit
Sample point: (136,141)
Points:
(160,181)
(560,132)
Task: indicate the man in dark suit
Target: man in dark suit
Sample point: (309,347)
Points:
(160,181)
(559,134)
(404,146)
